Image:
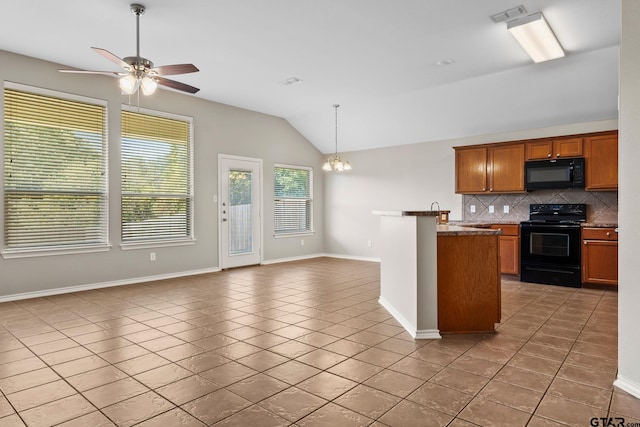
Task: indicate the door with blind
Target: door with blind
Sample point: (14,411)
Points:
(240,222)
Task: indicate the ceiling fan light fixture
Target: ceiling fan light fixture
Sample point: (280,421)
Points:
(129,84)
(148,85)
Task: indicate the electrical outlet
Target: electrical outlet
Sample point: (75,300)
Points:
(369,243)
(505,209)
(472,208)
(301,242)
(491,209)
(215,198)
(152,256)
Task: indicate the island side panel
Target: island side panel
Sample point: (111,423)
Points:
(468,283)
(398,269)
(427,279)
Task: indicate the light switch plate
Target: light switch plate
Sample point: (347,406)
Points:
(505,209)
(491,210)
(472,208)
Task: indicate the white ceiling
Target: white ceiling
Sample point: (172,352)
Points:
(377,58)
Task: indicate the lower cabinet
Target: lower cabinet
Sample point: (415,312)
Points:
(600,256)
(509,248)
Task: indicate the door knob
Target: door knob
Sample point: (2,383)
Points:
(224,219)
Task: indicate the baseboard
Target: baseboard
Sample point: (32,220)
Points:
(78,288)
(354,258)
(295,258)
(428,334)
(303,257)
(629,386)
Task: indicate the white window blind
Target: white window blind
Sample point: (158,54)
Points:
(55,172)
(293,200)
(156,178)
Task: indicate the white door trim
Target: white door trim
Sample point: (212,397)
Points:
(261,202)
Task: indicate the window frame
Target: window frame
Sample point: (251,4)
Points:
(169,242)
(311,231)
(50,250)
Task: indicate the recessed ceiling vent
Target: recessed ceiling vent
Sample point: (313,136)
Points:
(291,81)
(509,14)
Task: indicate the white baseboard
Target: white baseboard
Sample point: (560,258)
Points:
(629,386)
(303,257)
(418,334)
(355,258)
(428,334)
(295,258)
(87,287)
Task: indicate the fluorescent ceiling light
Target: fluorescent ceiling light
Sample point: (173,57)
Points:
(536,37)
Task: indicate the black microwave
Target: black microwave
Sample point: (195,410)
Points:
(554,174)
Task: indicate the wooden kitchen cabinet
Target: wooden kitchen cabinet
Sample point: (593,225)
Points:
(506,168)
(469,286)
(509,248)
(600,256)
(601,162)
(554,148)
(483,169)
(471,170)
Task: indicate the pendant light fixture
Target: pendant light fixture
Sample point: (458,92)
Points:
(334,163)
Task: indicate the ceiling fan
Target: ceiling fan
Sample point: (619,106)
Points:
(140,72)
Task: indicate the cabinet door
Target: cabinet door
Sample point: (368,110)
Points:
(569,147)
(471,170)
(601,156)
(509,255)
(506,168)
(539,150)
(600,262)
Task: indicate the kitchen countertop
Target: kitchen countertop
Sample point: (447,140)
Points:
(458,230)
(600,224)
(406,213)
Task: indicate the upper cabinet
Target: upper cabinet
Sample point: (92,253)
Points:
(485,169)
(499,168)
(554,148)
(601,162)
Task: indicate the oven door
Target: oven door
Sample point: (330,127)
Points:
(550,253)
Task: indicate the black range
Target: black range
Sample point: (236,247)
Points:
(550,244)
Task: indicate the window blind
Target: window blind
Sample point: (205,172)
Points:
(156,177)
(55,172)
(293,200)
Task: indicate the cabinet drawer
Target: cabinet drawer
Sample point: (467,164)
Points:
(507,229)
(589,233)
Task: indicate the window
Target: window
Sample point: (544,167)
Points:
(156,177)
(55,171)
(293,202)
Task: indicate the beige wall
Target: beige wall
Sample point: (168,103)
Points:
(218,128)
(629,211)
(408,177)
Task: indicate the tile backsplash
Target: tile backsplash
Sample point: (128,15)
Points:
(602,206)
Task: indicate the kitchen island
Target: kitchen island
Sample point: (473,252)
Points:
(438,278)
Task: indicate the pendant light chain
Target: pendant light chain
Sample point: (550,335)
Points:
(335,106)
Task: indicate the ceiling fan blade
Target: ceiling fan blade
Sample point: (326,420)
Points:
(108,73)
(111,57)
(176,85)
(167,70)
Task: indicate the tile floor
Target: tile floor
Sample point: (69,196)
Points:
(302,343)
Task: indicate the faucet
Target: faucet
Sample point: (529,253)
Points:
(438,216)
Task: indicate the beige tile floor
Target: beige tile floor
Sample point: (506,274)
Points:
(303,343)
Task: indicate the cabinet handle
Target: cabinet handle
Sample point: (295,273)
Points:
(549,155)
(585,242)
(491,189)
(558,155)
(608,234)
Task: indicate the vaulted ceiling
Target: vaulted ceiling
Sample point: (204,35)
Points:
(377,58)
